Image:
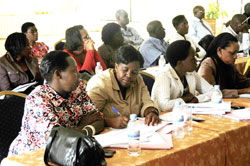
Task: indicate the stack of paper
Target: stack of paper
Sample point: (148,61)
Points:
(150,137)
(211,108)
(245,95)
(239,115)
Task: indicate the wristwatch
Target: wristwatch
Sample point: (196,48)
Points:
(154,111)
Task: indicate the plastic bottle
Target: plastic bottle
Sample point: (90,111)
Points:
(98,68)
(178,121)
(162,62)
(134,147)
(216,95)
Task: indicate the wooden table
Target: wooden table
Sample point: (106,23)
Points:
(216,142)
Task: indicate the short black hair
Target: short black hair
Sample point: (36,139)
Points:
(177,51)
(126,54)
(178,20)
(197,8)
(73,38)
(15,43)
(152,26)
(108,32)
(26,26)
(54,60)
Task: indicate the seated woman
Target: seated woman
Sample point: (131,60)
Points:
(38,49)
(112,39)
(179,82)
(217,67)
(81,47)
(123,89)
(62,101)
(16,66)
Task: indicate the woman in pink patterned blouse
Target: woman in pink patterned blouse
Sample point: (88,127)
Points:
(39,49)
(62,101)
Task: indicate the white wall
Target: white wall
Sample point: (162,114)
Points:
(93,14)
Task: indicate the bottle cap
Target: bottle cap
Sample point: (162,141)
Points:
(217,87)
(98,63)
(133,116)
(177,103)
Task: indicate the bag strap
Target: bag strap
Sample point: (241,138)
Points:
(48,146)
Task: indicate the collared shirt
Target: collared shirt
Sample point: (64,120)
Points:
(151,49)
(168,88)
(130,33)
(197,30)
(12,75)
(104,90)
(44,109)
(201,53)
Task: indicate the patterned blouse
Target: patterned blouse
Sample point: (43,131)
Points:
(40,50)
(44,109)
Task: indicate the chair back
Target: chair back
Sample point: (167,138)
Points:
(11,113)
(148,80)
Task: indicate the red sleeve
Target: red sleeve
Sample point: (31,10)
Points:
(89,62)
(98,58)
(91,57)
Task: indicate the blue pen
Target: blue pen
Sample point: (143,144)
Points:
(118,113)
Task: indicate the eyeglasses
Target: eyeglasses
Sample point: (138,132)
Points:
(86,37)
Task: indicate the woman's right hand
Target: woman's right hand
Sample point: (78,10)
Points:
(245,90)
(117,122)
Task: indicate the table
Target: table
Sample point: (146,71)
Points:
(187,151)
(216,142)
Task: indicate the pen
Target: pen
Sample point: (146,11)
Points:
(115,110)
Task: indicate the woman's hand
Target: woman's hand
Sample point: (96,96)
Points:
(90,118)
(151,116)
(117,122)
(189,98)
(89,44)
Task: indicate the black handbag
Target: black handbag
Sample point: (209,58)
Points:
(68,147)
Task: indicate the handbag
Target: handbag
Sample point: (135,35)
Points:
(67,147)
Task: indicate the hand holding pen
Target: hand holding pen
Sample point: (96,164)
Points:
(117,122)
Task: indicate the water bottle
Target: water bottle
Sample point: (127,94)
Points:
(216,95)
(178,121)
(98,68)
(162,62)
(134,147)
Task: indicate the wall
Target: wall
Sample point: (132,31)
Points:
(53,17)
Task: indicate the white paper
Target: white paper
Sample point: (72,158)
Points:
(119,136)
(246,95)
(22,88)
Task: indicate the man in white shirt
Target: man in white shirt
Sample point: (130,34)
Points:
(180,23)
(198,27)
(130,35)
(155,46)
(238,25)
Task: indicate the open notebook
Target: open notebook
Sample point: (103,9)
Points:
(152,137)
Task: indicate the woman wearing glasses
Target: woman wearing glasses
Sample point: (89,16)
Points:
(217,67)
(81,47)
(38,49)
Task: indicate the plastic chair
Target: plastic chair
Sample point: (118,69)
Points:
(148,80)
(11,114)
